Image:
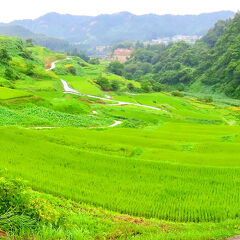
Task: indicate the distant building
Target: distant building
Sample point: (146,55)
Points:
(122,54)
(177,38)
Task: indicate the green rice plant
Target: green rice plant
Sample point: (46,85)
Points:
(84,165)
(7,93)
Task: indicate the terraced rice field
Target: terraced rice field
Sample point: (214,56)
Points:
(177,172)
(180,165)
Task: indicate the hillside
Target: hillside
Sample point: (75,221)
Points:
(57,45)
(115,28)
(224,68)
(211,65)
(88,154)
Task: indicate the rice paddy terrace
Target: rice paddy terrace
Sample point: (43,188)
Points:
(176,172)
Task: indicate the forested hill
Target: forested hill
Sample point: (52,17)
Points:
(212,64)
(57,45)
(115,28)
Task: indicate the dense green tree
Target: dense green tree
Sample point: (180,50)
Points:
(212,61)
(146,68)
(4,57)
(131,68)
(116,67)
(214,33)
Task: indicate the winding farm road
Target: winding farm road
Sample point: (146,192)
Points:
(67,89)
(53,64)
(116,123)
(70,90)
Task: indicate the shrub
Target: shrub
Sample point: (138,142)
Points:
(146,86)
(13,195)
(4,57)
(94,61)
(72,70)
(30,69)
(177,93)
(103,83)
(22,209)
(115,86)
(181,87)
(131,87)
(157,87)
(206,99)
(10,74)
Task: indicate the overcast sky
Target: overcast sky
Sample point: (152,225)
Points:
(22,9)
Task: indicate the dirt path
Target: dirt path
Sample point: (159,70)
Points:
(116,123)
(53,64)
(70,90)
(67,89)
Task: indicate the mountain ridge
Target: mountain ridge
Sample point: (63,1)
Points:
(107,29)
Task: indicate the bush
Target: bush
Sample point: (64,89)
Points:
(21,209)
(10,74)
(104,83)
(131,87)
(13,196)
(94,61)
(146,86)
(72,70)
(115,86)
(177,94)
(4,57)
(157,87)
(181,87)
(206,99)
(30,69)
